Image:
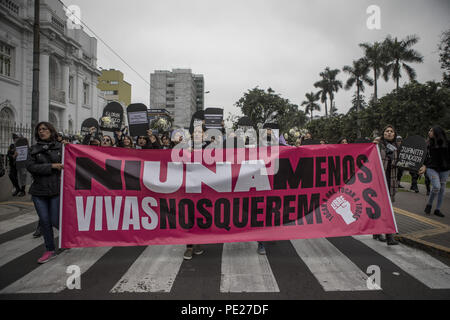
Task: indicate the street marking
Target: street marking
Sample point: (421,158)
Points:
(154,271)
(420,265)
(244,270)
(13,249)
(333,270)
(421,218)
(51,277)
(17,202)
(14,223)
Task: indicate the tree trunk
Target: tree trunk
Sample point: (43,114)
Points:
(358,107)
(375,85)
(326,109)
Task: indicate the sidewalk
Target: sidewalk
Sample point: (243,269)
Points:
(426,232)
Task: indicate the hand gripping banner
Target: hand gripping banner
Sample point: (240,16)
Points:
(126,197)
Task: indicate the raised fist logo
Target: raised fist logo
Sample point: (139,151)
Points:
(344,209)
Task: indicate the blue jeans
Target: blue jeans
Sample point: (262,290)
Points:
(47,209)
(438,183)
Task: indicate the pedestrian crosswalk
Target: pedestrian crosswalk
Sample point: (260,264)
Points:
(158,269)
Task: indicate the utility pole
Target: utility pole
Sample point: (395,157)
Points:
(36,53)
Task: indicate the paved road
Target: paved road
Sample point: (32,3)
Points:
(334,268)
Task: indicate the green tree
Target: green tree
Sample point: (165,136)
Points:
(376,56)
(358,76)
(259,105)
(328,86)
(311,104)
(399,54)
(444,56)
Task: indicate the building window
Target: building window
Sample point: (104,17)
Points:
(85,93)
(71,88)
(7,115)
(111,92)
(6,59)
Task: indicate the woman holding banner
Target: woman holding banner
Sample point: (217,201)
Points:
(437,166)
(389,155)
(44,163)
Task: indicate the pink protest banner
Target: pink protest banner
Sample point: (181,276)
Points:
(127,197)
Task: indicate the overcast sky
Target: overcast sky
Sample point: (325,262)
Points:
(238,45)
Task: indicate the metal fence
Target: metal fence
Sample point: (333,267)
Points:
(7,128)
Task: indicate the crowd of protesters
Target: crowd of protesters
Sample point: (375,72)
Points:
(45,165)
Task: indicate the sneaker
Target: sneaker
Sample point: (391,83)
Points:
(427,209)
(21,194)
(439,213)
(261,249)
(188,254)
(379,237)
(390,240)
(37,233)
(47,256)
(198,250)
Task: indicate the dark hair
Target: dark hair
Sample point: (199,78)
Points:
(439,139)
(50,127)
(341,139)
(395,133)
(131,142)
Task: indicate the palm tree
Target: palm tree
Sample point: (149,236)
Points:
(323,93)
(310,103)
(333,84)
(376,57)
(328,85)
(358,75)
(399,53)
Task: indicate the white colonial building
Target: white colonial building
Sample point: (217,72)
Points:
(68,91)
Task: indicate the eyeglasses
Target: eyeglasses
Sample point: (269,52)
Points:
(106,140)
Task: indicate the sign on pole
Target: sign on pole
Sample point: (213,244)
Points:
(138,119)
(112,117)
(412,153)
(87,125)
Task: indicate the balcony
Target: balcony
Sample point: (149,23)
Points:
(58,96)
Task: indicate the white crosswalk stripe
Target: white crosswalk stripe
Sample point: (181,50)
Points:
(244,270)
(52,277)
(333,270)
(19,221)
(154,271)
(431,272)
(13,249)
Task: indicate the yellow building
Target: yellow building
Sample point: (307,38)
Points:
(114,88)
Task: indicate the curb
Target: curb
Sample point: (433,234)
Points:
(414,239)
(424,245)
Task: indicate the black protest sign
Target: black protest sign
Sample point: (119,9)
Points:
(412,153)
(138,119)
(87,125)
(22,152)
(310,142)
(245,122)
(213,118)
(112,117)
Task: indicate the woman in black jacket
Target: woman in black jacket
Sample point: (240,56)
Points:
(437,166)
(44,163)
